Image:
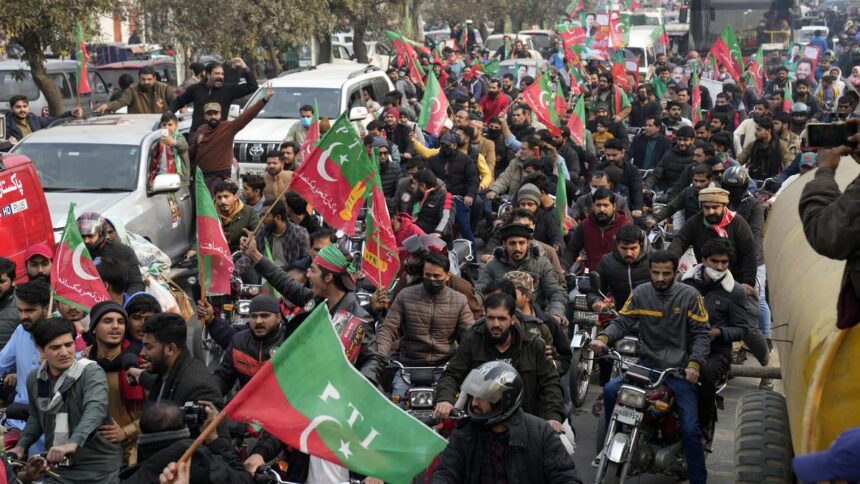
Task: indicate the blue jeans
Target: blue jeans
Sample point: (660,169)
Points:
(686,402)
(764,309)
(399,387)
(463,221)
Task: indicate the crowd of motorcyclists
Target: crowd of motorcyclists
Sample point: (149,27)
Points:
(669,214)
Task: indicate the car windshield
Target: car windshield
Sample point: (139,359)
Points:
(286,102)
(80,167)
(13,82)
(639,20)
(542,42)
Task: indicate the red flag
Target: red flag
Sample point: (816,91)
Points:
(721,53)
(379,262)
(434,107)
(213,253)
(74,279)
(697,98)
(82,59)
(538,97)
(619,75)
(569,39)
(576,123)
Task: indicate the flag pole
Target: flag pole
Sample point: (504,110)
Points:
(265,213)
(213,425)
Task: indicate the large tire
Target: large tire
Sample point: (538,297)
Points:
(577,378)
(763,450)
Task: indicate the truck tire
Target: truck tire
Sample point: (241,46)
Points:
(763,450)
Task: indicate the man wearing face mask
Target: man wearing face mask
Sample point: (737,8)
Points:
(212,148)
(299,130)
(803,94)
(728,315)
(426,319)
(460,174)
(723,107)
(644,107)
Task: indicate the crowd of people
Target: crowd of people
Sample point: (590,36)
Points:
(96,394)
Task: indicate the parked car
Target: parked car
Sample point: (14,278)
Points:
(542,41)
(23,209)
(495,41)
(336,88)
(102,165)
(15,78)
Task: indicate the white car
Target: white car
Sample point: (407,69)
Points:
(496,40)
(378,55)
(336,88)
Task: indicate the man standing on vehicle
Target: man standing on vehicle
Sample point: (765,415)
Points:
(93,228)
(299,130)
(424,321)
(655,310)
(214,90)
(212,148)
(235,215)
(499,338)
(148,96)
(277,176)
(20,122)
(728,315)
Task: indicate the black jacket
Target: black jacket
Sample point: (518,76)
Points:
(215,462)
(458,171)
(188,380)
(245,356)
(389,173)
(201,93)
(696,232)
(638,112)
(36,123)
(687,200)
(639,148)
(548,230)
(727,308)
(541,388)
(399,136)
(751,209)
(124,254)
(534,454)
(619,279)
(571,159)
(669,169)
(437,211)
(632,181)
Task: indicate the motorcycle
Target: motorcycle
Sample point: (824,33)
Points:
(644,431)
(585,325)
(420,398)
(658,237)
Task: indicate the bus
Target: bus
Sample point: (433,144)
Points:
(754,22)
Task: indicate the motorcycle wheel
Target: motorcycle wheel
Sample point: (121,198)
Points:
(578,377)
(613,473)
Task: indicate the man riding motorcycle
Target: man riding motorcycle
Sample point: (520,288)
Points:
(659,309)
(93,228)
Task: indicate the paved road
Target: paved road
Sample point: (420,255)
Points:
(720,462)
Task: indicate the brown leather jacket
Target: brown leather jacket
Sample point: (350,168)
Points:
(426,326)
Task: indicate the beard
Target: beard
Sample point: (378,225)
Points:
(603,219)
(213,123)
(503,336)
(663,286)
(8,293)
(714,219)
(273,171)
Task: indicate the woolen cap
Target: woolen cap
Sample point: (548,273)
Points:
(100,309)
(264,303)
(529,192)
(515,230)
(714,194)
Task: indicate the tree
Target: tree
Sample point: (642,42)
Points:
(41,25)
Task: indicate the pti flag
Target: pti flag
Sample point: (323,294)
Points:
(380,262)
(660,36)
(213,253)
(82,58)
(434,107)
(539,96)
(74,279)
(697,97)
(311,398)
(576,123)
(335,177)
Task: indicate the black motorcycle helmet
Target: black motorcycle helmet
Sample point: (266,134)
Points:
(498,384)
(735,177)
(419,247)
(92,223)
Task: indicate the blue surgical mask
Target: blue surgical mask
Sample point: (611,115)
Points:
(306,122)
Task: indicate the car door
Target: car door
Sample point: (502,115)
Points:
(68,101)
(170,215)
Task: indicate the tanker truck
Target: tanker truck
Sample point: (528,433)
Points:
(818,363)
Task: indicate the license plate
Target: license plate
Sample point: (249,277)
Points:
(627,415)
(586,316)
(421,414)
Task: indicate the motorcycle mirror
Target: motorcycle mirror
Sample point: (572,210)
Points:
(594,281)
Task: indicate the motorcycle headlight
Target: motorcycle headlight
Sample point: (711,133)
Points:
(627,346)
(631,396)
(421,398)
(243,307)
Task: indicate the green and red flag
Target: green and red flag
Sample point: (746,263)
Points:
(267,253)
(619,72)
(619,30)
(574,7)
(74,279)
(558,99)
(213,254)
(697,97)
(576,81)
(630,4)
(727,52)
(571,40)
(755,71)
(491,68)
(406,56)
(660,36)
(312,136)
(565,221)
(335,177)
(379,262)
(311,398)
(787,99)
(82,59)
(576,123)
(728,36)
(538,97)
(434,107)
